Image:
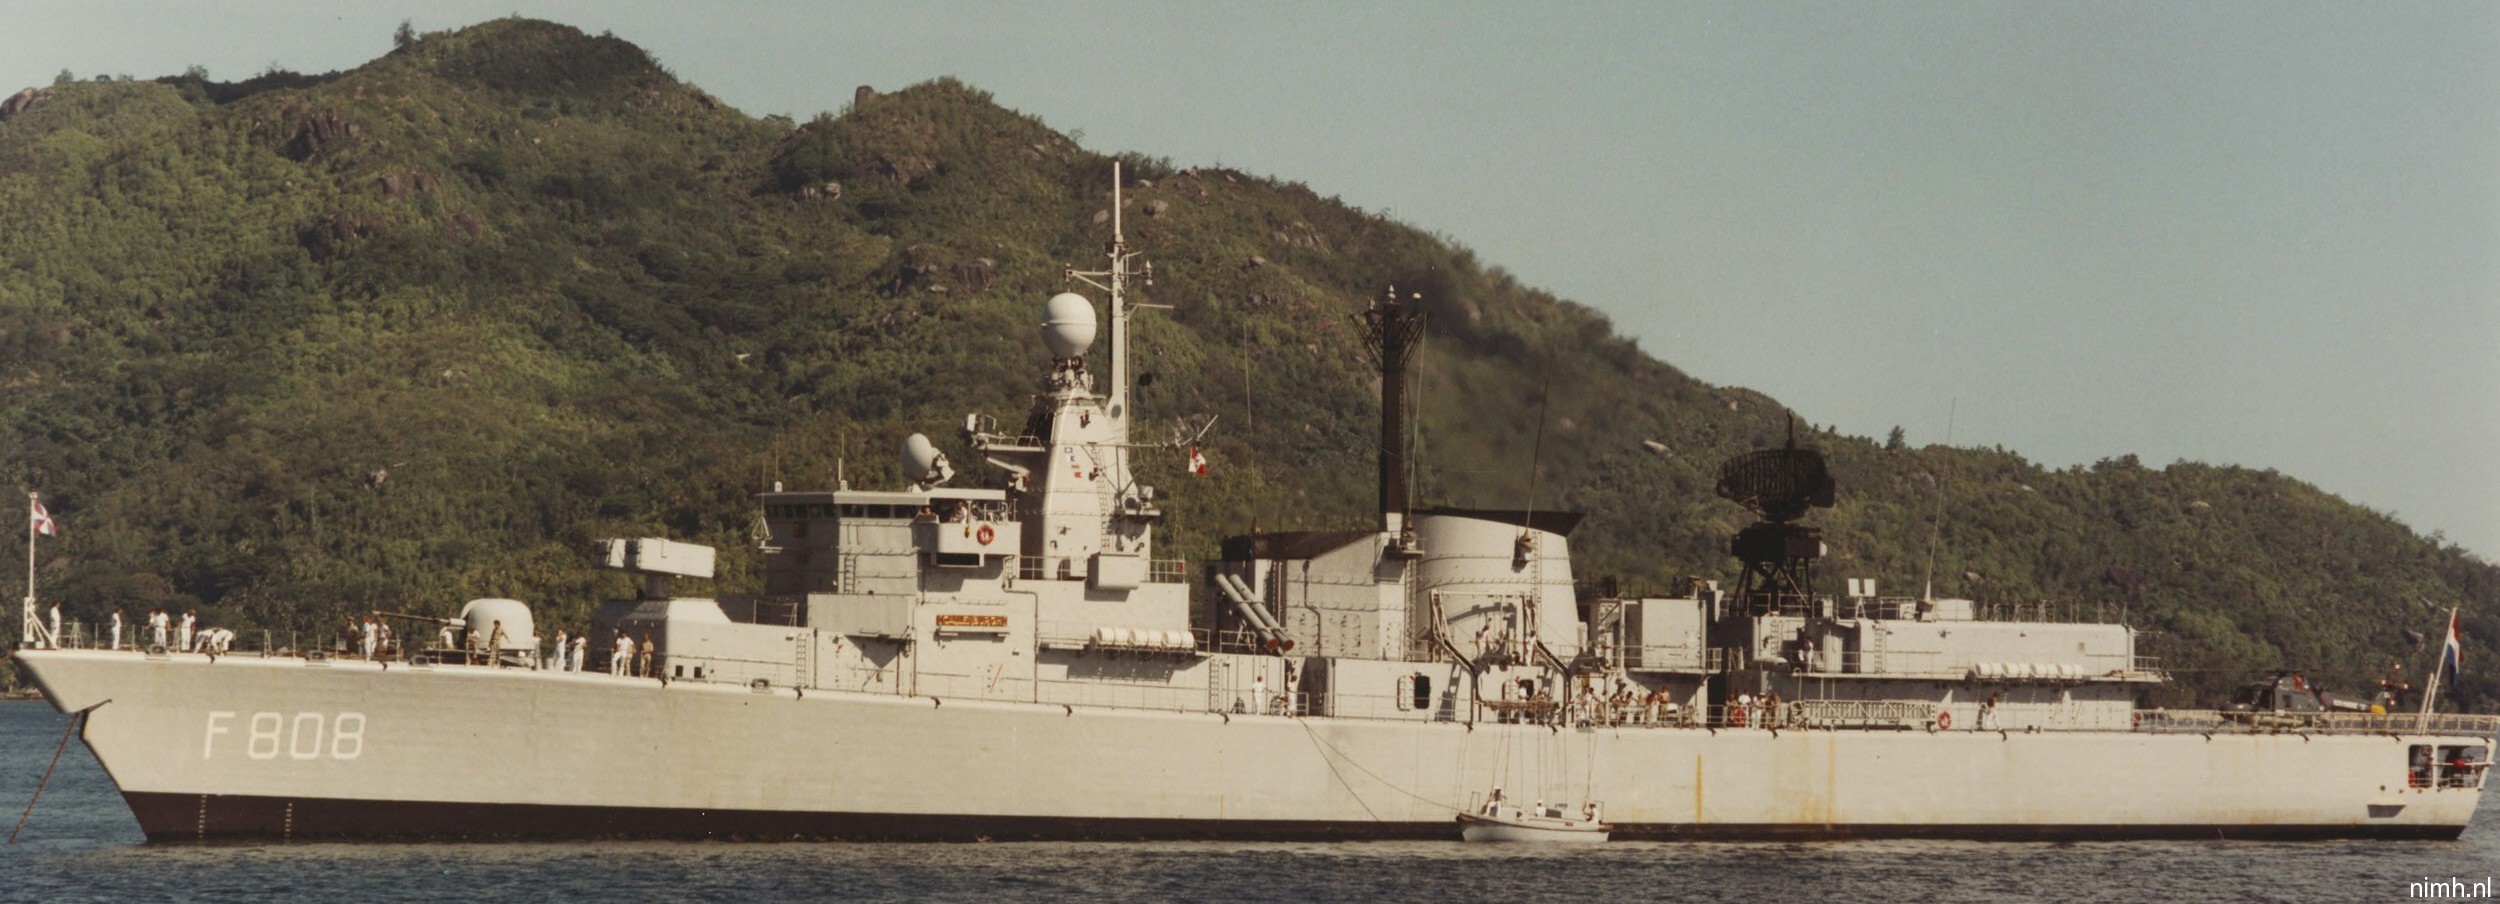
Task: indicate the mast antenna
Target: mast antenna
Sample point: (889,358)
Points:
(1935,525)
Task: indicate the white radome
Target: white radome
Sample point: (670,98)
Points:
(920,457)
(1068,325)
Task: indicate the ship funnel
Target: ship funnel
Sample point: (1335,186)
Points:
(923,464)
(1068,325)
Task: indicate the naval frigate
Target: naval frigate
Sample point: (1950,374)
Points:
(1016,662)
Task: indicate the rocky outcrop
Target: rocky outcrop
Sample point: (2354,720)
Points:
(17,103)
(319,132)
(975,274)
(336,231)
(396,186)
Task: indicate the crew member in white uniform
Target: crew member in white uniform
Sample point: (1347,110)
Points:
(581,652)
(117,629)
(622,656)
(183,634)
(157,622)
(56,626)
(371,634)
(557,661)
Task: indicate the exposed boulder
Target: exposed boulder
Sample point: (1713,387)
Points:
(975,274)
(400,185)
(316,133)
(336,231)
(17,103)
(1301,236)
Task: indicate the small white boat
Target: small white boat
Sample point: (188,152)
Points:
(1498,821)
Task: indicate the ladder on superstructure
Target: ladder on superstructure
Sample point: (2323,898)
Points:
(803,662)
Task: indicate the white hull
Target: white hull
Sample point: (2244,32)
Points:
(1480,828)
(264,747)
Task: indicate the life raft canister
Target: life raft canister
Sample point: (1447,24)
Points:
(985,535)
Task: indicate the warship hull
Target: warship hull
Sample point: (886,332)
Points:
(274,748)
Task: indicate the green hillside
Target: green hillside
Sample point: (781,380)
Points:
(418,332)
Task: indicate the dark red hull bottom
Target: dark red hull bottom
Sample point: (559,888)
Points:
(192,817)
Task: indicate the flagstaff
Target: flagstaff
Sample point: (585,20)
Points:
(2451,655)
(38,524)
(34,523)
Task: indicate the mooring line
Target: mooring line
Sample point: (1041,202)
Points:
(76,720)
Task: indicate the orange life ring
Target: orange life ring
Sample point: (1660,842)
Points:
(1944,721)
(985,535)
(1736,715)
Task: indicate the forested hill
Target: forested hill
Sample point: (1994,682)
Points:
(419,332)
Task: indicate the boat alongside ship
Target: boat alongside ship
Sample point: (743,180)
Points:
(1015,662)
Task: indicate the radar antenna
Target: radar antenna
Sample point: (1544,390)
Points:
(1779,485)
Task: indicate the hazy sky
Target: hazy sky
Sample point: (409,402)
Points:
(2257,233)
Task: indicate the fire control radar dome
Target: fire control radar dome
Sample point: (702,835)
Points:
(920,458)
(1068,325)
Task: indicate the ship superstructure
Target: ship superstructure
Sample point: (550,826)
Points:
(1015,661)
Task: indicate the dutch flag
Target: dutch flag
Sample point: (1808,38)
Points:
(42,520)
(2452,652)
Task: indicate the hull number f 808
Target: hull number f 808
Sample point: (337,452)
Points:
(294,736)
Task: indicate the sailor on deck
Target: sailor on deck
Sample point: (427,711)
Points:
(53,637)
(183,632)
(557,661)
(157,622)
(369,637)
(622,656)
(494,645)
(581,650)
(117,629)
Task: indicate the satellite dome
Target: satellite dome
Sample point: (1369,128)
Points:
(920,457)
(1068,325)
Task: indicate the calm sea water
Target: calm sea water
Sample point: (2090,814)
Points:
(81,845)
